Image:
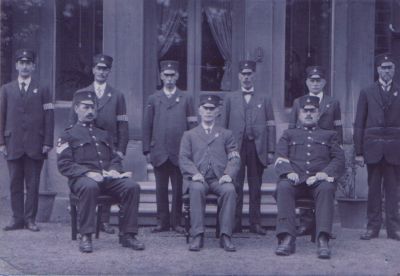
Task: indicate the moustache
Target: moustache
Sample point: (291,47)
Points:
(90,116)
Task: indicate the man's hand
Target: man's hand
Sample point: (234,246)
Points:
(46,149)
(120,154)
(148,159)
(198,177)
(3,150)
(293,177)
(321,176)
(95,176)
(270,158)
(225,179)
(360,161)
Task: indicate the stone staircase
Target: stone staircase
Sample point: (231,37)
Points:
(147,206)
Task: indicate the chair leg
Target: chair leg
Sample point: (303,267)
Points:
(98,219)
(74,218)
(313,229)
(217,229)
(186,216)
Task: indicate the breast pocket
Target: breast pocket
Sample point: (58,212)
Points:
(296,148)
(322,147)
(83,150)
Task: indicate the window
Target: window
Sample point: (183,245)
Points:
(308,38)
(79,29)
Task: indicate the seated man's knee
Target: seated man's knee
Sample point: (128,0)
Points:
(284,185)
(326,187)
(131,185)
(88,186)
(228,188)
(196,187)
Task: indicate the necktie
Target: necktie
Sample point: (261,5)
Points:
(23,87)
(99,92)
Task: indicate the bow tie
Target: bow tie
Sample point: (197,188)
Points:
(247,93)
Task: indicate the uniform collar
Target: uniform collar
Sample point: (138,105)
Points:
(385,84)
(84,124)
(169,93)
(26,81)
(319,95)
(207,127)
(308,127)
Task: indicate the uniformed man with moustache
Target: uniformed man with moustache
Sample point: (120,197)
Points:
(209,161)
(377,144)
(249,114)
(86,155)
(329,118)
(26,136)
(308,162)
(168,113)
(111,115)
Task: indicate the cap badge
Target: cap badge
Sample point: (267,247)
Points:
(102,59)
(169,65)
(308,100)
(209,98)
(89,95)
(25,53)
(386,57)
(246,64)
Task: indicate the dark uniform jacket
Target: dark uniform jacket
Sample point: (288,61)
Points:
(164,122)
(306,151)
(263,122)
(85,148)
(111,116)
(330,115)
(26,120)
(200,152)
(377,125)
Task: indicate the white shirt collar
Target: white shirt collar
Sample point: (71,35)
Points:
(26,81)
(207,127)
(99,89)
(248,90)
(169,93)
(384,83)
(319,95)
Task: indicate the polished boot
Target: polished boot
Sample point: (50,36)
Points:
(393,235)
(129,240)
(179,229)
(286,245)
(197,243)
(30,225)
(257,229)
(106,228)
(85,243)
(14,225)
(225,242)
(324,252)
(369,234)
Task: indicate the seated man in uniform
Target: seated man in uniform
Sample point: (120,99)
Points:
(209,160)
(86,156)
(309,161)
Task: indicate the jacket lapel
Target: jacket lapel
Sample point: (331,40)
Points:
(215,133)
(175,99)
(238,103)
(325,103)
(376,94)
(108,94)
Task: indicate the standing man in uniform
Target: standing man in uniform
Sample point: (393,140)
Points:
(309,161)
(377,143)
(330,118)
(209,160)
(111,115)
(250,116)
(85,154)
(168,113)
(26,136)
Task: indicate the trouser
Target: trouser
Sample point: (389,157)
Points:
(226,202)
(163,174)
(323,193)
(255,169)
(382,173)
(126,190)
(24,169)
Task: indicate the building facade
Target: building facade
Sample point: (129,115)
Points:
(208,37)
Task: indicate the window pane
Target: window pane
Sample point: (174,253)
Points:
(78,39)
(308,38)
(216,50)
(172,36)
(20,24)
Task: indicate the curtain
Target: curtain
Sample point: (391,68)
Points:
(220,21)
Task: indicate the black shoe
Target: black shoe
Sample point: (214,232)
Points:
(159,229)
(393,236)
(179,229)
(85,243)
(106,228)
(30,225)
(257,229)
(286,246)
(370,234)
(14,225)
(226,243)
(129,240)
(197,243)
(323,251)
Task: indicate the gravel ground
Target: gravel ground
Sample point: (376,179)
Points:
(51,251)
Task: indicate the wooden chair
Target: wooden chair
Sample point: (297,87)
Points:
(307,203)
(102,200)
(210,199)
